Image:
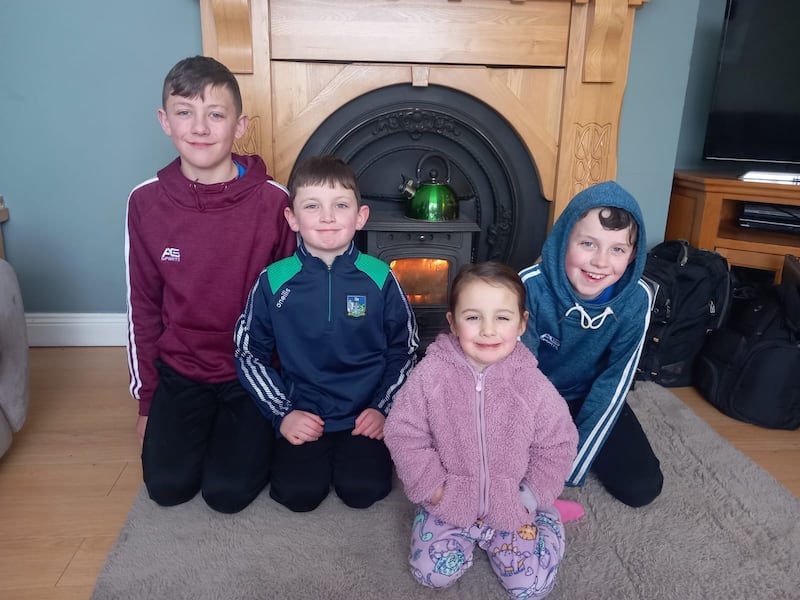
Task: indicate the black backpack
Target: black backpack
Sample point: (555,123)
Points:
(750,369)
(692,290)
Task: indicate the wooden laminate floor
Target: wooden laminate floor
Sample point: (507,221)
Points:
(71,474)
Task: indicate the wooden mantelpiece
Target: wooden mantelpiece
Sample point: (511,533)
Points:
(555,69)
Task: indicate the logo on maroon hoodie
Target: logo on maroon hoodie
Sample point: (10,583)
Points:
(171,254)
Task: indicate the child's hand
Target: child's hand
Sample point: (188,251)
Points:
(299,427)
(370,424)
(437,495)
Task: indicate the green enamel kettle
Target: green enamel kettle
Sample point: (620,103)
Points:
(432,199)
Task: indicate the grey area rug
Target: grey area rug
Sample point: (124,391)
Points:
(723,528)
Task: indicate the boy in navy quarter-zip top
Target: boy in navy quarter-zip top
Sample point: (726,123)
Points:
(346,339)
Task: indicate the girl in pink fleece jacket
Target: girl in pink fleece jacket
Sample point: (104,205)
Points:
(483,442)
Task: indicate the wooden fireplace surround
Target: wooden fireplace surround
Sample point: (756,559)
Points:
(555,69)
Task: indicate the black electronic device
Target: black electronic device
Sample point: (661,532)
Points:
(771,217)
(755,112)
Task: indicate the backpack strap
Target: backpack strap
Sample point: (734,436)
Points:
(673,251)
(789,297)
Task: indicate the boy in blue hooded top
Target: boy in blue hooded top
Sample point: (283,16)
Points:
(589,312)
(346,338)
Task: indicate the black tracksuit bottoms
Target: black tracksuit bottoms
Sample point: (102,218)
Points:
(626,464)
(359,468)
(205,437)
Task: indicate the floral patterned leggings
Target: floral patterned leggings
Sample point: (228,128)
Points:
(526,561)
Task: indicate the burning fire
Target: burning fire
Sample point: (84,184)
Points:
(424,280)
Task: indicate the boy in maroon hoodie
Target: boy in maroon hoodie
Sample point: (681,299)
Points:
(197,237)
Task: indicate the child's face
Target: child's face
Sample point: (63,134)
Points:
(596,258)
(487,322)
(203,131)
(327,218)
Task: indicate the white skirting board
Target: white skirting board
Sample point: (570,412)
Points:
(76,329)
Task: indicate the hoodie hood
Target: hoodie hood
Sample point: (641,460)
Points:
(608,193)
(213,196)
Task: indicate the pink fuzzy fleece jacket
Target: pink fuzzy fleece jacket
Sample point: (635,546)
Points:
(480,435)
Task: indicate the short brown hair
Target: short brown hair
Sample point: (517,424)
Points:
(492,272)
(613,218)
(323,170)
(190,77)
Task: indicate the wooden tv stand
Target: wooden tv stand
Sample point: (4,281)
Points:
(704,209)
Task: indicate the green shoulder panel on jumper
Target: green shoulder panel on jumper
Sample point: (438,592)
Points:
(282,271)
(375,268)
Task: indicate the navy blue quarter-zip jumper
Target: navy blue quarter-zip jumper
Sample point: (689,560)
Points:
(345,335)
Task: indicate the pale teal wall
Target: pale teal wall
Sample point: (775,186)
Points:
(79,86)
(653,106)
(80,83)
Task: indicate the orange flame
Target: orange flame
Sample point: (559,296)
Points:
(424,280)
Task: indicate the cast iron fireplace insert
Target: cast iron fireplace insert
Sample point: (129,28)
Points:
(502,214)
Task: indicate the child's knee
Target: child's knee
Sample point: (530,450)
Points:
(641,491)
(439,575)
(526,562)
(302,496)
(363,493)
(166,491)
(440,563)
(436,581)
(529,576)
(228,501)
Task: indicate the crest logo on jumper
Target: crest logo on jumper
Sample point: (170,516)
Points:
(550,341)
(356,306)
(171,254)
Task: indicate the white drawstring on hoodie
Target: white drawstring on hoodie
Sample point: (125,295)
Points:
(588,322)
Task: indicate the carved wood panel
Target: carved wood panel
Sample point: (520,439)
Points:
(562,90)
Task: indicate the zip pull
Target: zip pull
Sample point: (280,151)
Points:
(479,383)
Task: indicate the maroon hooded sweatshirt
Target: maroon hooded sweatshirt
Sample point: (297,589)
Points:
(193,252)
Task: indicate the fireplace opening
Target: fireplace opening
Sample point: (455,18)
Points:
(425,256)
(501,212)
(425,280)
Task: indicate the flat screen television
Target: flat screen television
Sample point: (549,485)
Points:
(755,112)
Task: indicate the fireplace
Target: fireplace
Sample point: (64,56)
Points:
(384,133)
(522,96)
(397,134)
(393,138)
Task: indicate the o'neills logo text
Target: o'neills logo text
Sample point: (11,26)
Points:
(282,298)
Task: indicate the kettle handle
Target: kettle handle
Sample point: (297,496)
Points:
(427,156)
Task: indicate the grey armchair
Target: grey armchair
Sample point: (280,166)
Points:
(14,374)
